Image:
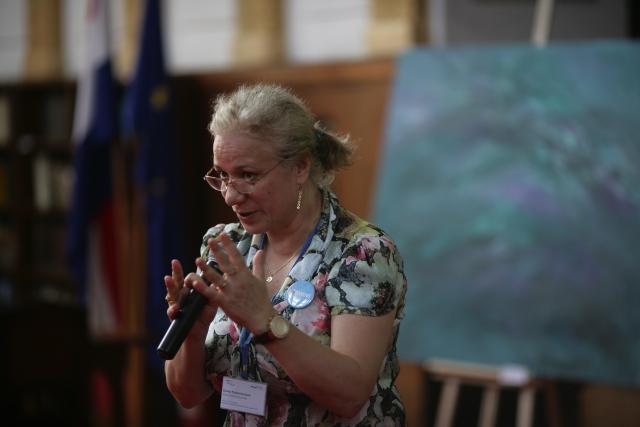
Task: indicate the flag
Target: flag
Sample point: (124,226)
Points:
(148,117)
(91,240)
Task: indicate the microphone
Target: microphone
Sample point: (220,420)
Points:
(192,305)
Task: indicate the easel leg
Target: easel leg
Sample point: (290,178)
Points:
(525,407)
(447,404)
(489,406)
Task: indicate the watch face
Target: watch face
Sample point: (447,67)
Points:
(279,327)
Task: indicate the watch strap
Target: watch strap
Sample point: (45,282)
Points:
(267,336)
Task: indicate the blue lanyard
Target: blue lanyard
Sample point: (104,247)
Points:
(245,335)
(307,243)
(244,340)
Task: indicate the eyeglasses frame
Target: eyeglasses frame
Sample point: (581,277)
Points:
(224,186)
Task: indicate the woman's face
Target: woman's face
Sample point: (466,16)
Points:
(271,204)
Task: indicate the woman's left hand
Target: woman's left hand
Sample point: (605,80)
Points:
(244,296)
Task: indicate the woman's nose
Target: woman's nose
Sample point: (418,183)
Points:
(232,196)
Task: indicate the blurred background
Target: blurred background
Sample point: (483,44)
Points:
(121,177)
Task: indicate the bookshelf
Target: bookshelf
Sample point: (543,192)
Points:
(42,325)
(35,188)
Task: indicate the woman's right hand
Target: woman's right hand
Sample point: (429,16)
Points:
(184,372)
(177,288)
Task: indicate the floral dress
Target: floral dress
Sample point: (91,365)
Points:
(356,269)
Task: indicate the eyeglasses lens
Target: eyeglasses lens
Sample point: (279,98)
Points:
(219,184)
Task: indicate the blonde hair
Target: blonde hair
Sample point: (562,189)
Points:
(273,114)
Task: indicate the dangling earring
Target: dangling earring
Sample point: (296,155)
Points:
(299,204)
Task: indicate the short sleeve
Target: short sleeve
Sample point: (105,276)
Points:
(368,280)
(211,233)
(233,230)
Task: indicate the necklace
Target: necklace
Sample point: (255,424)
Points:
(269,277)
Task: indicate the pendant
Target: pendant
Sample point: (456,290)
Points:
(269,279)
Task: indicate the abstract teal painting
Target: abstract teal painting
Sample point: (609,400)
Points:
(510,181)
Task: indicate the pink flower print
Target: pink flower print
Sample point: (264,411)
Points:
(233,332)
(321,282)
(361,255)
(281,306)
(388,243)
(277,408)
(323,319)
(217,382)
(236,419)
(370,244)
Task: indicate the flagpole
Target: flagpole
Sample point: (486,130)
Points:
(134,402)
(134,254)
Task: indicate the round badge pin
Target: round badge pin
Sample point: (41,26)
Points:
(300,294)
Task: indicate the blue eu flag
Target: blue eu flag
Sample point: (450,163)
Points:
(148,117)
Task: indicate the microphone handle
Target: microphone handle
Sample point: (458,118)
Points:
(190,308)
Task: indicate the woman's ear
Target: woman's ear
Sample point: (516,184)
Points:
(303,168)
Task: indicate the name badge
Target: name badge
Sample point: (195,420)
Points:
(243,396)
(300,294)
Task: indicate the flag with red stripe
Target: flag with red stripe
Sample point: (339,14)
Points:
(92,236)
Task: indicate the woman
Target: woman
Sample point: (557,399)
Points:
(311,296)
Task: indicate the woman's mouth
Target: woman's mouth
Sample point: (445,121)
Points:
(245,215)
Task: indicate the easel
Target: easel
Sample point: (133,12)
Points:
(492,379)
(541,22)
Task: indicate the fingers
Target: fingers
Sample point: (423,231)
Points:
(212,293)
(172,311)
(175,282)
(210,274)
(176,272)
(231,250)
(178,286)
(168,283)
(171,290)
(222,257)
(191,280)
(241,293)
(174,290)
(227,255)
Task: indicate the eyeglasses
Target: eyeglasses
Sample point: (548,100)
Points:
(244,185)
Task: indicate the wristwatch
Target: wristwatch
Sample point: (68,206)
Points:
(277,330)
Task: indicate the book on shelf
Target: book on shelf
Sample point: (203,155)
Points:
(8,247)
(42,194)
(5,123)
(4,185)
(52,184)
(6,292)
(54,119)
(47,247)
(62,185)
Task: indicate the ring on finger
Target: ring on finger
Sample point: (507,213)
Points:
(169,300)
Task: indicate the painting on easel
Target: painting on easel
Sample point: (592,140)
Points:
(511,183)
